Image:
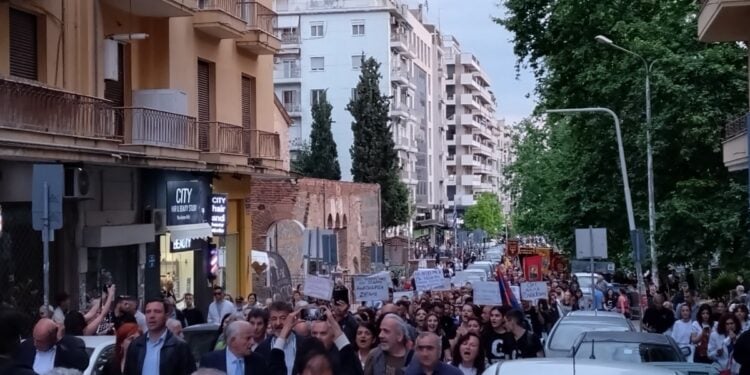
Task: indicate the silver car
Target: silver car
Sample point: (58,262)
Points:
(563,335)
(568,366)
(100,350)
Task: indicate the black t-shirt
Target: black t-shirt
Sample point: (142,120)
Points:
(497,345)
(527,346)
(659,319)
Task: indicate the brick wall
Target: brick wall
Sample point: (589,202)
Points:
(351,209)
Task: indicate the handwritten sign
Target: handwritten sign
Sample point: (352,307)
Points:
(487,293)
(534,291)
(318,287)
(371,288)
(428,279)
(397,296)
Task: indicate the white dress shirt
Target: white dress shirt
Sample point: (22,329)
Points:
(233,367)
(216,312)
(44,361)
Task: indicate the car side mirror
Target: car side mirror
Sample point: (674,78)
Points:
(686,351)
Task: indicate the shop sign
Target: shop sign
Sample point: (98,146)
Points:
(185,202)
(219,214)
(187,244)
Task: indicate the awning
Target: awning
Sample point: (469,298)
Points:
(189,231)
(286,22)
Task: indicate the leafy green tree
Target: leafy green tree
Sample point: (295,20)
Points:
(374,159)
(486,214)
(323,160)
(567,172)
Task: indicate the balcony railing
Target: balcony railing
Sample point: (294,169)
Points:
(289,72)
(289,38)
(260,17)
(736,127)
(232,7)
(159,128)
(220,138)
(293,107)
(261,144)
(27,105)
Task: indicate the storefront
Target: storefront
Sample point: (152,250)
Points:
(235,242)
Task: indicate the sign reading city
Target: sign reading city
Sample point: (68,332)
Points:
(185,202)
(219,214)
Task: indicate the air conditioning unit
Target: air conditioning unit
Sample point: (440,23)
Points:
(77,183)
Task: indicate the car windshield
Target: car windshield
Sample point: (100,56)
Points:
(627,352)
(564,336)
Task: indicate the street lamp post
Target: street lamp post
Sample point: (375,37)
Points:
(649,156)
(626,188)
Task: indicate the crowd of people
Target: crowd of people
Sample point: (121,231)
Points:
(430,332)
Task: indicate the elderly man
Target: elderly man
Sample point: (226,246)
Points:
(45,351)
(392,355)
(237,358)
(428,357)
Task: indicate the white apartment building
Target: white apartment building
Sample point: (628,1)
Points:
(506,157)
(472,160)
(323,42)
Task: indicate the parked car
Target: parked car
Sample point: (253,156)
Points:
(200,337)
(100,350)
(564,333)
(568,366)
(652,348)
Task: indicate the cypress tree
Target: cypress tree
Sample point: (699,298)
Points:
(322,160)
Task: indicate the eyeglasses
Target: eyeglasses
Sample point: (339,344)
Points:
(217,293)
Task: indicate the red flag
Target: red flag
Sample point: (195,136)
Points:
(532,268)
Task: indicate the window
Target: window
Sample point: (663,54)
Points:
(315,96)
(357,62)
(358,28)
(317,64)
(354,94)
(23,44)
(317,30)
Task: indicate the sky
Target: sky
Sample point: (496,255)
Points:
(471,23)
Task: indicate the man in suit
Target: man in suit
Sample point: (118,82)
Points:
(158,351)
(46,351)
(341,352)
(10,333)
(237,358)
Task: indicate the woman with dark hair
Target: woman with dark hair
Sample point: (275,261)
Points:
(312,359)
(432,324)
(76,324)
(741,312)
(366,340)
(473,325)
(468,355)
(420,317)
(610,300)
(124,336)
(701,333)
(721,344)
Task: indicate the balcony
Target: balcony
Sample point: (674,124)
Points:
(155,8)
(469,60)
(451,180)
(467,79)
(469,141)
(287,74)
(467,119)
(400,76)
(724,20)
(293,109)
(261,145)
(400,44)
(259,37)
(471,180)
(450,160)
(221,143)
(221,19)
(290,40)
(450,99)
(33,112)
(734,146)
(464,199)
(469,161)
(151,127)
(399,110)
(469,101)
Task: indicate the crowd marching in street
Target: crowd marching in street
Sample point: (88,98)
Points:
(422,332)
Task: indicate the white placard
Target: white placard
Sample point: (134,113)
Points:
(397,296)
(428,279)
(516,292)
(533,291)
(487,293)
(371,288)
(318,287)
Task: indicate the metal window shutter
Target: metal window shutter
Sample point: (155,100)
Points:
(248,102)
(114,91)
(23,44)
(204,104)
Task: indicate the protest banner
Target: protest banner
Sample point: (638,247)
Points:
(371,288)
(487,293)
(428,279)
(397,296)
(533,291)
(318,287)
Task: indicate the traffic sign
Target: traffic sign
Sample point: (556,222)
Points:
(54,176)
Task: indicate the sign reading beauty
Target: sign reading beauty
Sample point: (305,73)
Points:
(218,214)
(185,202)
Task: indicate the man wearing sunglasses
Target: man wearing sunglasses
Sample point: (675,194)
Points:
(219,307)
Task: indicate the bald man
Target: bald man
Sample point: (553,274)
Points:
(428,351)
(237,358)
(45,351)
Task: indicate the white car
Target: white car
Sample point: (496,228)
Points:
(567,366)
(100,350)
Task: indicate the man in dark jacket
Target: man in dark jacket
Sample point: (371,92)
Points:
(237,358)
(341,352)
(10,333)
(46,351)
(158,352)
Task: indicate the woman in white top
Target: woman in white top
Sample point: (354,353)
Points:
(722,341)
(683,329)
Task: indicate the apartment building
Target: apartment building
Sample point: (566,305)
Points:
(154,108)
(505,157)
(322,46)
(472,164)
(728,21)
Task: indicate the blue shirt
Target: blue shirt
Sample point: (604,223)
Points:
(598,299)
(153,351)
(232,364)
